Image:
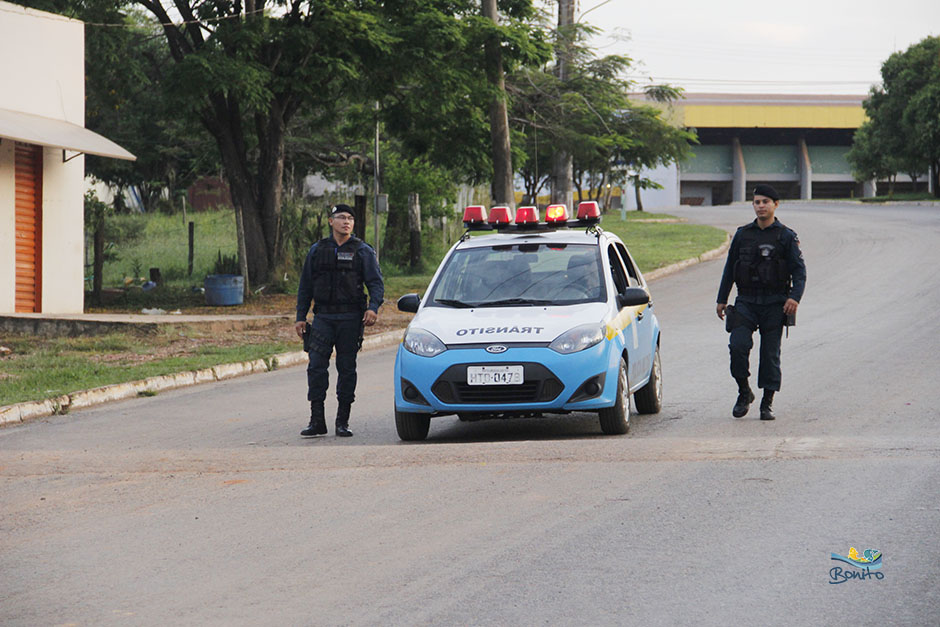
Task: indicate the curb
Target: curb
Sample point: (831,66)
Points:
(714,253)
(21,412)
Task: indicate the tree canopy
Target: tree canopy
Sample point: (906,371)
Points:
(902,133)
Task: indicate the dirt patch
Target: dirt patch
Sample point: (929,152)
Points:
(178,340)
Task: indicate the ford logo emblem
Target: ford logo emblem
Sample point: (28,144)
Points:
(496,349)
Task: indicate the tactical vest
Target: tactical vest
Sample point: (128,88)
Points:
(761,267)
(337,284)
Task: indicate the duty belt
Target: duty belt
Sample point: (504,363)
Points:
(334,309)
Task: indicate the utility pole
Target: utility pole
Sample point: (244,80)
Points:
(562,160)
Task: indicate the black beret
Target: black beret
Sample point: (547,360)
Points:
(341,209)
(766,190)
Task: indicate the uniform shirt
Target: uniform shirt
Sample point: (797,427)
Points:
(371,277)
(795,265)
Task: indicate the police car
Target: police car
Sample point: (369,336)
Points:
(533,318)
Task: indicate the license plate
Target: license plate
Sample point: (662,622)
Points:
(494,375)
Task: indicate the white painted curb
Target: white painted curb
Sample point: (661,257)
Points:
(21,412)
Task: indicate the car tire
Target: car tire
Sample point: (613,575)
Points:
(412,427)
(616,420)
(649,398)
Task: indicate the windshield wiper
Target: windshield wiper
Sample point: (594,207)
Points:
(509,302)
(453,303)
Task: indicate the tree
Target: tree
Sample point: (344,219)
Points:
(590,117)
(125,102)
(245,73)
(648,141)
(903,128)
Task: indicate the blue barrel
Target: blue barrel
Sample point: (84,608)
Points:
(224,289)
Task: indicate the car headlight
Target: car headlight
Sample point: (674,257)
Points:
(578,339)
(423,343)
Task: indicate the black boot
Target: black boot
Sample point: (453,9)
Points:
(745,398)
(317,424)
(766,409)
(342,420)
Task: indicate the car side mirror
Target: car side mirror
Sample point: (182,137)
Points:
(409,303)
(631,297)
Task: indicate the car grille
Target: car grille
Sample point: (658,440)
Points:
(539,386)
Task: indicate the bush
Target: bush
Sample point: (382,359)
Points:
(226,264)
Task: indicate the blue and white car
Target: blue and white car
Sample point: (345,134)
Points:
(531,320)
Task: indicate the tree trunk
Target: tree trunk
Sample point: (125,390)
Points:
(562,159)
(502,187)
(256,197)
(636,191)
(414,232)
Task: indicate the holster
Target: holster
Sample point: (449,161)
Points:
(732,319)
(307,336)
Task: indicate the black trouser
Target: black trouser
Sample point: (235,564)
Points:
(343,331)
(768,318)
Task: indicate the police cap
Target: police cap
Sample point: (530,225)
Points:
(766,190)
(335,209)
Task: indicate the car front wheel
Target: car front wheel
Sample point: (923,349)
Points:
(616,420)
(411,426)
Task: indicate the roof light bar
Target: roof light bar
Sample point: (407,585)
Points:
(500,215)
(555,214)
(474,214)
(588,211)
(528,216)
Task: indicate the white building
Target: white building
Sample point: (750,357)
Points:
(43,140)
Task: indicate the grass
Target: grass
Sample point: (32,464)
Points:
(162,241)
(52,367)
(905,197)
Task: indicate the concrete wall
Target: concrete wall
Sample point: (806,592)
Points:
(7,229)
(42,73)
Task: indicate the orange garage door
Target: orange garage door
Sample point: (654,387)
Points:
(28,161)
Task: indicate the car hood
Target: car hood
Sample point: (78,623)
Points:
(506,324)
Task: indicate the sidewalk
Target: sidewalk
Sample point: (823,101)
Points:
(101,323)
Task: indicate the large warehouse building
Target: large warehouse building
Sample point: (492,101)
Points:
(797,143)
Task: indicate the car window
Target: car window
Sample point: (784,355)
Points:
(520,274)
(616,269)
(632,273)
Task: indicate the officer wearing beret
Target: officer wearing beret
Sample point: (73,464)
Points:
(333,276)
(766,265)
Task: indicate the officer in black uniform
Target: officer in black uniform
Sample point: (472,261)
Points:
(333,276)
(766,264)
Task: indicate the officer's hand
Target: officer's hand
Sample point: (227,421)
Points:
(790,306)
(369,318)
(299,328)
(720,310)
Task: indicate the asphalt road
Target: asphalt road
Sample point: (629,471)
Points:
(204,506)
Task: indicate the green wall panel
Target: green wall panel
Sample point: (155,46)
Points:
(709,160)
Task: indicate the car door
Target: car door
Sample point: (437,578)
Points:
(638,336)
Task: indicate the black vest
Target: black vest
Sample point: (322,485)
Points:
(761,267)
(338,271)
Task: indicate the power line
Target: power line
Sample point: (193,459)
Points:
(59,18)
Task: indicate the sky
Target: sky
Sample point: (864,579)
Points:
(756,46)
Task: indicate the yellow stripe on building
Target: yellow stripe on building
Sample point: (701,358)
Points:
(772,116)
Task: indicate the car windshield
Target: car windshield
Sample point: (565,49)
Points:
(519,275)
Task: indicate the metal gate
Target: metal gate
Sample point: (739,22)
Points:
(28,166)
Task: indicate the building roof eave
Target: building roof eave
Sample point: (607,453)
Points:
(42,131)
